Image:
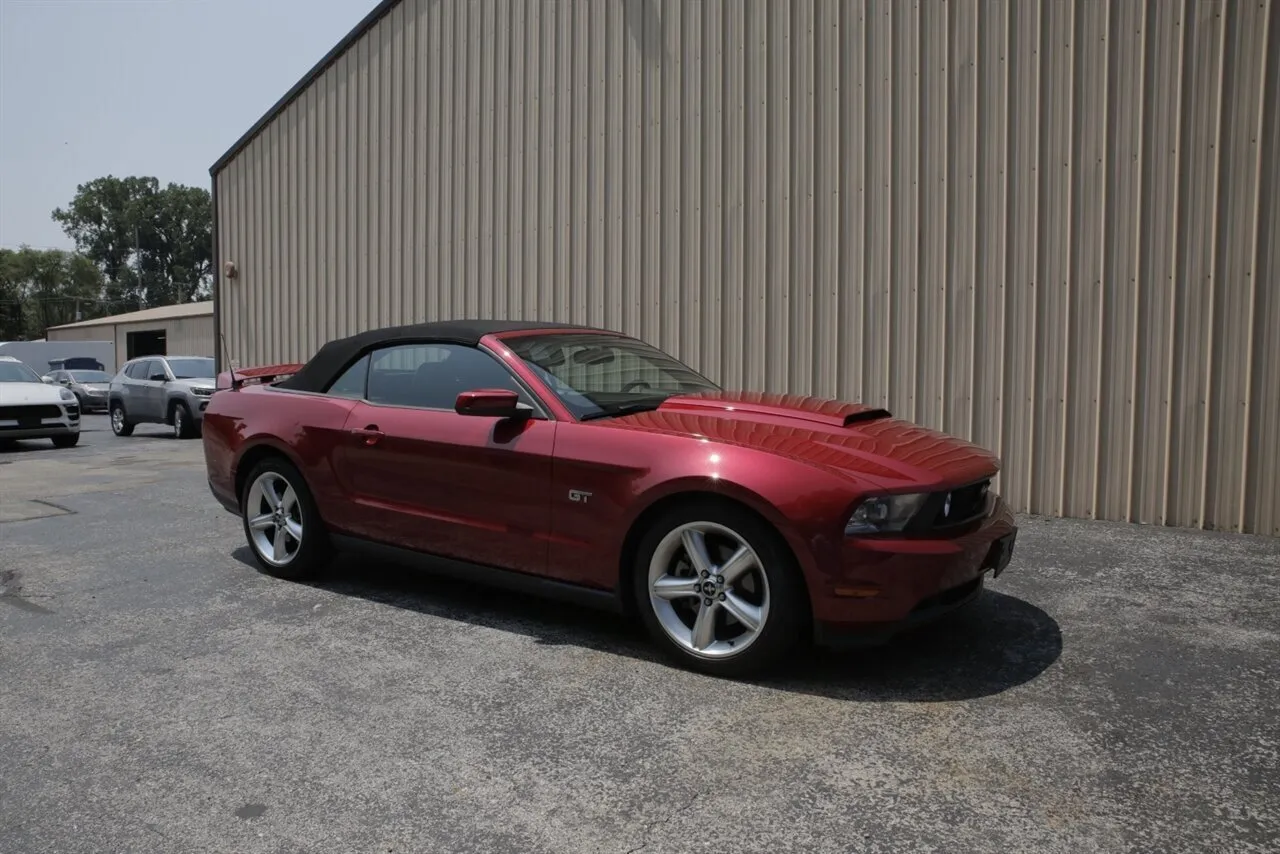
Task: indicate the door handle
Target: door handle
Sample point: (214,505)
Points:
(370,435)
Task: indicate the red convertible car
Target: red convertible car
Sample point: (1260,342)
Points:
(586,464)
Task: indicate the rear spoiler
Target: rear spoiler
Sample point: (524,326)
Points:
(256,376)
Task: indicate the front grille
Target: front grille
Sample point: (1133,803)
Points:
(951,509)
(25,412)
(965,504)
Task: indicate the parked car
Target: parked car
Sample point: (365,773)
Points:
(89,386)
(31,409)
(587,464)
(171,390)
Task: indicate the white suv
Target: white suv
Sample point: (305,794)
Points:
(33,409)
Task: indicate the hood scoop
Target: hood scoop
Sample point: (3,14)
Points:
(817,410)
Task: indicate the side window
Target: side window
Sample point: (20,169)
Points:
(433,375)
(352,382)
(138,370)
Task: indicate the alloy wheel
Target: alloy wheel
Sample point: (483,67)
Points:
(709,590)
(117,419)
(274,517)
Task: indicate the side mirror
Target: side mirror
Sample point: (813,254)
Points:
(492,403)
(158,378)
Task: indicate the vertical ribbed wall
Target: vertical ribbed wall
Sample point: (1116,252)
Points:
(1048,226)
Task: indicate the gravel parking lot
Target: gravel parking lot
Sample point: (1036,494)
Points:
(1116,690)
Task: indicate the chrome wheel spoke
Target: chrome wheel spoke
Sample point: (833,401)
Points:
(294,529)
(704,627)
(279,545)
(289,500)
(741,562)
(261,523)
(742,611)
(695,546)
(675,587)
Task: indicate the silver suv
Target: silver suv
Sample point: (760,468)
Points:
(173,390)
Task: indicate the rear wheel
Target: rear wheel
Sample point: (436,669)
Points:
(719,591)
(66,440)
(120,425)
(281,522)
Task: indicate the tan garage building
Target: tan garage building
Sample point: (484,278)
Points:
(1052,227)
(185,329)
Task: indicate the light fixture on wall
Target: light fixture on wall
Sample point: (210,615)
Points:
(229,270)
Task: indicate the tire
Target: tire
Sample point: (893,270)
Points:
(769,589)
(311,550)
(183,423)
(120,425)
(67,440)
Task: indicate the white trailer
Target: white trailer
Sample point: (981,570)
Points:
(44,356)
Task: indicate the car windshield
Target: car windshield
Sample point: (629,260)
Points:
(16,372)
(90,376)
(189,369)
(599,375)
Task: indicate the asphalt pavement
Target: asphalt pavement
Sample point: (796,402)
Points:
(1115,690)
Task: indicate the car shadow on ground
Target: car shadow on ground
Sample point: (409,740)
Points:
(996,643)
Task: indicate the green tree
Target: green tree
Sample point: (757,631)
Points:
(153,244)
(40,288)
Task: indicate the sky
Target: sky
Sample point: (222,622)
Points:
(90,88)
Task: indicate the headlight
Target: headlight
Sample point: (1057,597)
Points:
(202,390)
(66,394)
(884,513)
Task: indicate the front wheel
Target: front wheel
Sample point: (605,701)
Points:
(119,424)
(66,440)
(719,590)
(281,521)
(183,424)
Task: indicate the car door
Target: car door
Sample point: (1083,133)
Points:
(421,476)
(131,390)
(146,391)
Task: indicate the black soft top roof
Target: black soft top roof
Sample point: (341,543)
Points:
(333,358)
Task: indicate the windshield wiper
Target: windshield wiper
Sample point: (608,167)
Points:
(646,405)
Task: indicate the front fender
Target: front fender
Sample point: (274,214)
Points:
(804,505)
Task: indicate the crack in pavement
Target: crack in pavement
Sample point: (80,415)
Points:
(667,820)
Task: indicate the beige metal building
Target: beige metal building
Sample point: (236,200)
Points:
(185,329)
(1052,227)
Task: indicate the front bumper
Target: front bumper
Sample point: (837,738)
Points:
(39,424)
(888,586)
(197,404)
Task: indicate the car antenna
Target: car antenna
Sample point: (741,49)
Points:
(226,352)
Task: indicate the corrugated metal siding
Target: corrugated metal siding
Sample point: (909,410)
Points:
(1050,227)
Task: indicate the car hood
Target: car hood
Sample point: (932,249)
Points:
(95,386)
(14,394)
(862,441)
(196,382)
